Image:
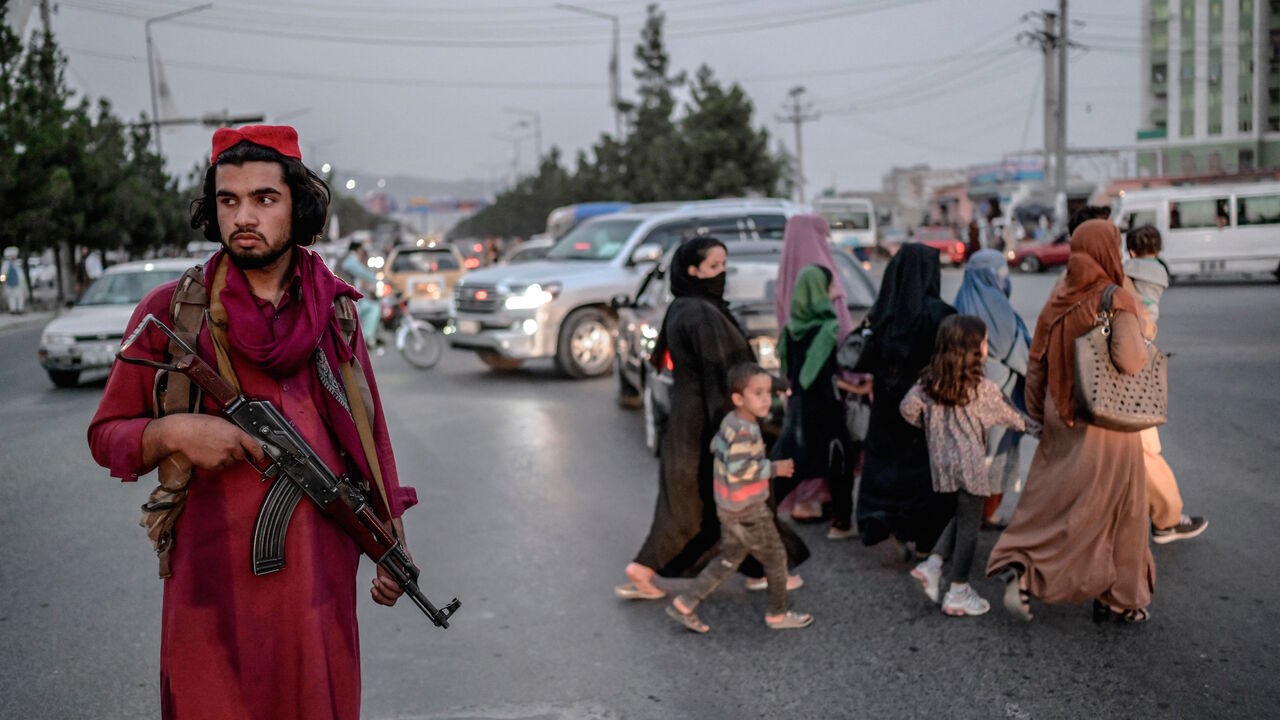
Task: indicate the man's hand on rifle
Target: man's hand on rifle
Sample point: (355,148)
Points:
(386,591)
(209,442)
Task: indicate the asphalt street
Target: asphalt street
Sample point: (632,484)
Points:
(536,491)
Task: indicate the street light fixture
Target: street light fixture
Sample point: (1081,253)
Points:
(535,118)
(614,81)
(151,65)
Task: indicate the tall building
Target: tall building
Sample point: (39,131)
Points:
(1210,87)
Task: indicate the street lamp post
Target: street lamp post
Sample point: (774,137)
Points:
(536,118)
(615,81)
(151,65)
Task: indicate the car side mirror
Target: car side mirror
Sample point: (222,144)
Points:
(617,302)
(647,253)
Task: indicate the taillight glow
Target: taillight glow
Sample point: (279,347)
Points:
(667,362)
(471,263)
(478,247)
(482,294)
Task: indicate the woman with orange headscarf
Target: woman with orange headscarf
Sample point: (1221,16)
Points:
(1080,530)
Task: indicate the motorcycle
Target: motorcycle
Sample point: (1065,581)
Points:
(418,341)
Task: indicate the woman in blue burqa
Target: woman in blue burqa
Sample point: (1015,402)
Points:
(985,294)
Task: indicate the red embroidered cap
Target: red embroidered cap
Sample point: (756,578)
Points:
(281,138)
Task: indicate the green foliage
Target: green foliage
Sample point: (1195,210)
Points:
(711,151)
(73,175)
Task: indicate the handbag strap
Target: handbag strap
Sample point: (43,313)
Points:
(1105,311)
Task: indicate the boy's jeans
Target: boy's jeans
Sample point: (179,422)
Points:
(748,532)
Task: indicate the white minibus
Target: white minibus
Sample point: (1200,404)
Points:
(1210,229)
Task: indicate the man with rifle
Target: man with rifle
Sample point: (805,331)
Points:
(249,632)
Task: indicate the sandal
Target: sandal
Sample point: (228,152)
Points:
(632,591)
(1017,600)
(794,582)
(1103,612)
(689,620)
(790,621)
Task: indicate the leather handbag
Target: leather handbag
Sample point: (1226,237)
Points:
(1109,398)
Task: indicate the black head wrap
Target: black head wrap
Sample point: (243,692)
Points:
(913,276)
(691,254)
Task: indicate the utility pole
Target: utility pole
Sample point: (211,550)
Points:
(1060,167)
(615,80)
(151,64)
(799,113)
(1053,44)
(533,120)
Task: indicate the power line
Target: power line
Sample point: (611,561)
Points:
(725,27)
(363,79)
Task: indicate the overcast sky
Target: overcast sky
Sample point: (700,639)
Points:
(408,87)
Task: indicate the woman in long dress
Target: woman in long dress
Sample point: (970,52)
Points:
(985,293)
(896,497)
(1080,529)
(814,433)
(703,341)
(805,243)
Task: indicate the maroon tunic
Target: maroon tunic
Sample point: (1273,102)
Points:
(283,645)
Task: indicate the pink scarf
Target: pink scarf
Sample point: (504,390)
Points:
(804,244)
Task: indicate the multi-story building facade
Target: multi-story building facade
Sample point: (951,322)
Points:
(1210,87)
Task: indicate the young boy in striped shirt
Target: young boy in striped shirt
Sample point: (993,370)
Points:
(742,474)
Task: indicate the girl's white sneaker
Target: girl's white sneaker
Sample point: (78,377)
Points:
(963,600)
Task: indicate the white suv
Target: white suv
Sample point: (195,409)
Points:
(560,307)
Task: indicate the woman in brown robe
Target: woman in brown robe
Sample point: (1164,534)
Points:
(1080,529)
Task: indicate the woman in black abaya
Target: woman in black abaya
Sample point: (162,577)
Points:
(704,342)
(896,496)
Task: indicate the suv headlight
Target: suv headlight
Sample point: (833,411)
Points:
(532,296)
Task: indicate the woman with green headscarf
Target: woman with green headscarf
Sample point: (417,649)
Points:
(814,433)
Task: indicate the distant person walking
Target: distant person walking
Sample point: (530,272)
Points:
(742,475)
(957,407)
(1149,278)
(15,284)
(984,293)
(1080,529)
(806,243)
(896,497)
(703,342)
(814,433)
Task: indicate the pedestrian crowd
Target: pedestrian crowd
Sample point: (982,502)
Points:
(908,428)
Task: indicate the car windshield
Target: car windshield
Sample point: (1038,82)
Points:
(594,240)
(428,260)
(126,288)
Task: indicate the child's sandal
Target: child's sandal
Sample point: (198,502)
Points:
(790,621)
(689,620)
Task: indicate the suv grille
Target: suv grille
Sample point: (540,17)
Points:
(476,298)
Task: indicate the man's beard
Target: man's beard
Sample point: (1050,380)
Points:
(256,261)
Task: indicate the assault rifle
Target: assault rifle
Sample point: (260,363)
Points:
(296,470)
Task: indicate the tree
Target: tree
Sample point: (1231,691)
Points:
(652,166)
(725,156)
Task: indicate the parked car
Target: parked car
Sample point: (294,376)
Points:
(944,239)
(86,337)
(425,273)
(535,248)
(750,289)
(1038,256)
(559,307)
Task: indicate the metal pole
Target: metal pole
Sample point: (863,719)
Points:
(615,81)
(1049,49)
(151,78)
(615,85)
(151,66)
(798,117)
(1060,171)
